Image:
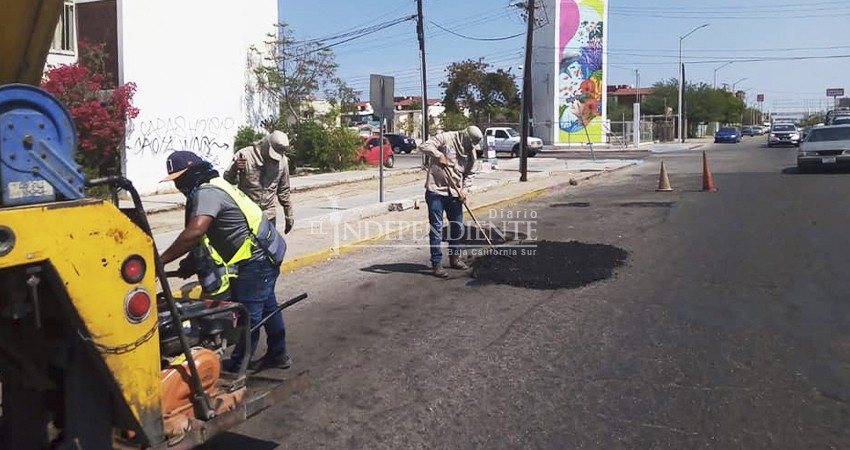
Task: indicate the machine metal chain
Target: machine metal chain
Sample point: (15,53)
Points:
(124,348)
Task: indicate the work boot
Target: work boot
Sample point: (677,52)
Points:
(271,362)
(456,263)
(438,271)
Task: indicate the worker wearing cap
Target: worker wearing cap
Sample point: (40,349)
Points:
(245,249)
(451,157)
(262,172)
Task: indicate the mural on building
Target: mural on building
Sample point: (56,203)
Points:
(581,40)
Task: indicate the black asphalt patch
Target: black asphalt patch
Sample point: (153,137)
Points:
(646,204)
(550,265)
(570,205)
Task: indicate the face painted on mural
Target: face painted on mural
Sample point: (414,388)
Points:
(581,69)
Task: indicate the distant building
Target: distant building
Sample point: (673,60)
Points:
(407,117)
(627,95)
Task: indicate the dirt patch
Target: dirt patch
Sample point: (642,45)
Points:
(550,265)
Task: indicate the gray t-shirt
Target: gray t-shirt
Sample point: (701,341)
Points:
(229,227)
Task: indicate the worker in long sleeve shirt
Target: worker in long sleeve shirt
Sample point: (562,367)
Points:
(261,171)
(450,154)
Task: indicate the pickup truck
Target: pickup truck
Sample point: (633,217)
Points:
(507,140)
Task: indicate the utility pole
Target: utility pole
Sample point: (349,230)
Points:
(682,84)
(420,33)
(526,96)
(637,85)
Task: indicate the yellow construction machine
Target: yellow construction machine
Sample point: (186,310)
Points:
(95,351)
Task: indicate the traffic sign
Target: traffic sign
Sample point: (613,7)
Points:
(760,98)
(835,92)
(381,92)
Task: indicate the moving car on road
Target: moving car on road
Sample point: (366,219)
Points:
(401,143)
(825,147)
(783,134)
(727,135)
(747,131)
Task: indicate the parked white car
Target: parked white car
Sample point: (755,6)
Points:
(827,146)
(506,140)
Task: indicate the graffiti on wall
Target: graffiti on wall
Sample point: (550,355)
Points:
(208,137)
(581,72)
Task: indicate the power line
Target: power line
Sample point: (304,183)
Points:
(709,16)
(736,7)
(505,38)
(371,30)
(733,50)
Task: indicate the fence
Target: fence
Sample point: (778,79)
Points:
(623,132)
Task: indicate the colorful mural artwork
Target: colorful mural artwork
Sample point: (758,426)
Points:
(581,41)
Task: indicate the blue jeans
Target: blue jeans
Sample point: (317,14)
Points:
(254,288)
(453,208)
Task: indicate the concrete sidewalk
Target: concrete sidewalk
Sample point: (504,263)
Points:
(331,226)
(167,202)
(671,147)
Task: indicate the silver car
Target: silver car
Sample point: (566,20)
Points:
(824,147)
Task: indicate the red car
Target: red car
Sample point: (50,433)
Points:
(369,153)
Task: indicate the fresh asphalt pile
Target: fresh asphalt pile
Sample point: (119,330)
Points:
(549,264)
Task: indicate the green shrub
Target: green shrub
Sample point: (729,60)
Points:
(323,148)
(453,121)
(245,136)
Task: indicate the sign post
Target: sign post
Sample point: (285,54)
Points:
(381,92)
(835,93)
(491,151)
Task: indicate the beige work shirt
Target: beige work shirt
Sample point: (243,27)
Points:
(262,181)
(461,163)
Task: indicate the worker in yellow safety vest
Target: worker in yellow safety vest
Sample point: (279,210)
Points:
(245,250)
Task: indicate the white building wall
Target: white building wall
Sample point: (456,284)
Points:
(188,59)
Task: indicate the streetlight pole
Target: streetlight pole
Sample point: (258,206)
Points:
(736,83)
(682,79)
(637,85)
(715,72)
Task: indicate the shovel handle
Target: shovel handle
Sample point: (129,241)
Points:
(468,209)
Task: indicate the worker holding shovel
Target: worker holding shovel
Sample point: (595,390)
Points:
(451,157)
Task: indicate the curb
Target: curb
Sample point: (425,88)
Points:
(366,178)
(175,206)
(378,209)
(327,254)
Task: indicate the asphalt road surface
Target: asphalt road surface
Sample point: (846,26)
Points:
(727,327)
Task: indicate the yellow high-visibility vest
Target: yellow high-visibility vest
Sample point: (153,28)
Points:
(254,215)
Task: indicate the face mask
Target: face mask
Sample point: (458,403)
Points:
(467,143)
(184,184)
(192,178)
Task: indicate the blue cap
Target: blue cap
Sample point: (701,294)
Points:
(178,163)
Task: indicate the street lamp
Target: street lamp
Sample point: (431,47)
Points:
(715,72)
(682,78)
(736,83)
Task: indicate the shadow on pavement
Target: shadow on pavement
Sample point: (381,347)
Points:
(233,440)
(815,171)
(397,268)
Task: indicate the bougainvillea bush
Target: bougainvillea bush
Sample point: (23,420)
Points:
(100,110)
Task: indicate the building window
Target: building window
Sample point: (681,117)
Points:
(65,37)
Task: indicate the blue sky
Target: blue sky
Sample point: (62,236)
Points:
(642,34)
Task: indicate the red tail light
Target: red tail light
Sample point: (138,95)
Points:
(137,306)
(133,269)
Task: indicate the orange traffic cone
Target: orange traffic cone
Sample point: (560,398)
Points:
(707,179)
(663,181)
